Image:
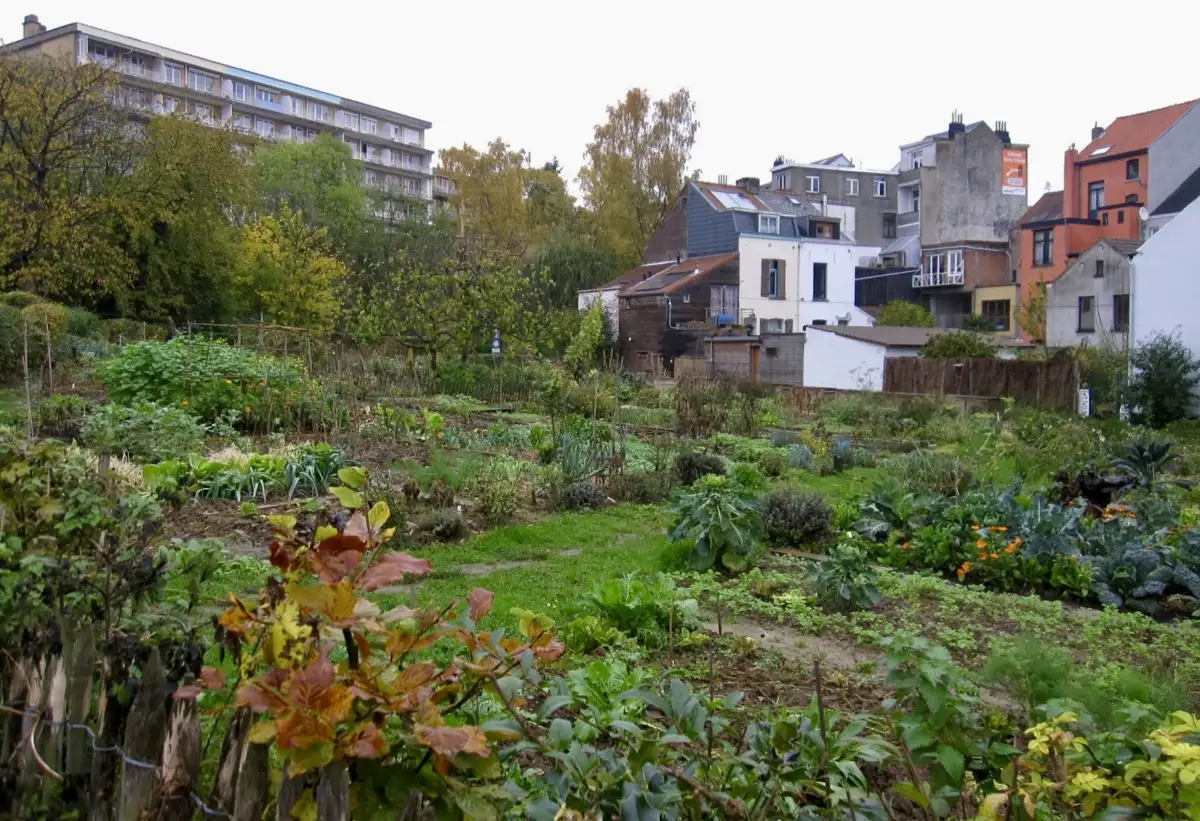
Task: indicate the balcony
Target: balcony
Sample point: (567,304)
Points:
(937,279)
(908,218)
(912,175)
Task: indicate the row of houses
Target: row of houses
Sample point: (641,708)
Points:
(823,245)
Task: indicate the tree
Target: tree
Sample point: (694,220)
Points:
(957,345)
(571,263)
(636,165)
(1032,316)
(287,271)
(901,313)
(1164,379)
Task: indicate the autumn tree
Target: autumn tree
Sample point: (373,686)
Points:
(636,165)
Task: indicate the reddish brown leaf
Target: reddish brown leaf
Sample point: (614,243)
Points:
(416,675)
(334,704)
(187,692)
(342,542)
(280,555)
(306,686)
(366,742)
(549,651)
(480,602)
(357,526)
(258,699)
(450,741)
(296,730)
(212,678)
(392,568)
(333,567)
(364,646)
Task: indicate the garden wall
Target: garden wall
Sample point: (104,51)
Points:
(1051,383)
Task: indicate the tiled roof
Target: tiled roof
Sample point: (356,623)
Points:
(675,276)
(635,275)
(1126,246)
(772,202)
(891,336)
(1049,207)
(1134,132)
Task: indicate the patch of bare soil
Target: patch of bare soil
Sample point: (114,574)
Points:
(244,536)
(833,653)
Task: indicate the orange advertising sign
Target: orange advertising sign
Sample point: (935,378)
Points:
(1013,169)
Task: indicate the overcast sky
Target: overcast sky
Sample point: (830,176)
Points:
(801,79)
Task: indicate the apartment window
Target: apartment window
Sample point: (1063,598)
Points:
(916,199)
(411,135)
(996,311)
(851,186)
(1120,320)
(954,262)
(1131,169)
(881,186)
(172,75)
(781,182)
(916,159)
(370,178)
(241,92)
(1099,268)
(819,322)
(135,97)
(351,121)
(1104,218)
(814,185)
(889,226)
(369,126)
(772,326)
(819,281)
(170,104)
(768,224)
(773,279)
(266,95)
(1087,315)
(265,128)
(935,264)
(1043,247)
(353,148)
(370,152)
(318,111)
(137,66)
(201,112)
(103,54)
(1120,218)
(1131,199)
(242,122)
(298,106)
(1095,199)
(200,82)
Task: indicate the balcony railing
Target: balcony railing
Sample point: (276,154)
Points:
(908,218)
(937,279)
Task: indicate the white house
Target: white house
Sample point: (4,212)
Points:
(853,358)
(790,282)
(1164,285)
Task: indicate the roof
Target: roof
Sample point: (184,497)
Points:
(634,275)
(733,198)
(1128,247)
(1134,132)
(677,275)
(836,161)
(945,135)
(910,244)
(903,337)
(1183,196)
(1049,207)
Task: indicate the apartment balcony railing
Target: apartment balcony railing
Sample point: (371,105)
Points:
(134,70)
(909,176)
(908,218)
(937,279)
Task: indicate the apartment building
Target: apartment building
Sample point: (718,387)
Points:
(155,80)
(863,200)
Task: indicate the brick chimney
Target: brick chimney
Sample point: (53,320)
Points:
(1070,183)
(956,125)
(1097,131)
(31,27)
(1002,132)
(748,184)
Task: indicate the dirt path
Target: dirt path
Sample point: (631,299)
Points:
(796,646)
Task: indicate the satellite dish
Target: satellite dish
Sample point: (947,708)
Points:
(1143,214)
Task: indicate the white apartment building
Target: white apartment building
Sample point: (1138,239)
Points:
(158,80)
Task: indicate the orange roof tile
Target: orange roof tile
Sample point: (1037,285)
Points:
(1135,132)
(1049,207)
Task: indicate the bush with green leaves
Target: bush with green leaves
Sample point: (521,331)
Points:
(61,416)
(690,466)
(641,488)
(904,314)
(581,496)
(641,606)
(795,518)
(143,431)
(846,581)
(1165,375)
(496,488)
(801,457)
(445,524)
(958,345)
(1149,465)
(931,471)
(719,521)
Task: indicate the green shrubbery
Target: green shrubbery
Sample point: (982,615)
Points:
(143,431)
(795,518)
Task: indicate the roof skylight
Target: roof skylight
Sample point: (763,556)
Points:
(1101,150)
(732,199)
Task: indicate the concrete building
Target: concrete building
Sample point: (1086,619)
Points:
(1175,158)
(960,194)
(863,200)
(1089,303)
(155,80)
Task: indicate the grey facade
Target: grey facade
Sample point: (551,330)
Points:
(1174,157)
(842,186)
(1089,303)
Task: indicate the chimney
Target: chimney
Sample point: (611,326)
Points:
(31,26)
(1097,131)
(748,184)
(956,125)
(722,179)
(1002,132)
(1070,184)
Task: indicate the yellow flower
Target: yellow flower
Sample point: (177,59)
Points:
(1000,529)
(993,555)
(249,409)
(981,544)
(974,527)
(228,381)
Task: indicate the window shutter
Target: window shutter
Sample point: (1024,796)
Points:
(783,279)
(766,278)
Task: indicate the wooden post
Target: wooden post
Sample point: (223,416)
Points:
(104,763)
(81,659)
(56,704)
(333,793)
(18,695)
(290,790)
(144,734)
(253,783)
(181,761)
(233,750)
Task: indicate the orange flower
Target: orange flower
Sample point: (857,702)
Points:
(249,409)
(1131,515)
(1000,529)
(994,556)
(906,546)
(962,571)
(1018,540)
(1012,548)
(185,403)
(981,544)
(974,527)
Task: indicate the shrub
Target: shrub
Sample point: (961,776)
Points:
(61,416)
(801,457)
(581,496)
(1164,377)
(719,521)
(690,466)
(641,488)
(919,409)
(958,345)
(795,518)
(446,524)
(701,407)
(749,477)
(497,488)
(585,634)
(978,324)
(905,314)
(772,463)
(784,438)
(143,431)
(11,341)
(20,299)
(845,581)
(931,471)
(84,324)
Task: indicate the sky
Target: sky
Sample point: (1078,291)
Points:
(801,79)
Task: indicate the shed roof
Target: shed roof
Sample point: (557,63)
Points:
(635,275)
(903,337)
(676,276)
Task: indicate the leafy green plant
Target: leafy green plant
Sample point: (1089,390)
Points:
(642,607)
(931,471)
(795,518)
(496,487)
(143,431)
(61,416)
(445,524)
(958,345)
(690,466)
(1165,373)
(845,581)
(902,313)
(1147,580)
(1145,464)
(640,488)
(312,470)
(581,496)
(749,477)
(720,523)
(801,457)
(586,634)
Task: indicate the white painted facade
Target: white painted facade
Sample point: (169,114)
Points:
(835,361)
(608,300)
(797,303)
(1164,290)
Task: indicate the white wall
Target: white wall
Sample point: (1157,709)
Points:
(844,213)
(800,254)
(833,361)
(608,299)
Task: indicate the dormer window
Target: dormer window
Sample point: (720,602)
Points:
(768,224)
(825,230)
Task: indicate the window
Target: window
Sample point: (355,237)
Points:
(370,178)
(369,126)
(820,322)
(823,230)
(773,279)
(351,121)
(723,299)
(298,106)
(318,111)
(200,82)
(881,186)
(241,92)
(411,135)
(687,298)
(370,152)
(814,185)
(916,199)
(935,264)
(851,186)
(135,97)
(201,112)
(137,66)
(241,122)
(732,199)
(266,95)
(1131,169)
(1087,315)
(916,159)
(393,131)
(265,128)
(1132,199)
(1043,247)
(172,75)
(170,104)
(353,148)
(767,223)
(997,312)
(781,182)
(104,54)
(889,226)
(1099,268)
(819,283)
(1120,320)
(1120,218)
(954,262)
(1104,218)
(1095,199)
(772,326)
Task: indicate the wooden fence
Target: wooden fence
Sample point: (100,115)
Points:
(1051,383)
